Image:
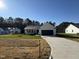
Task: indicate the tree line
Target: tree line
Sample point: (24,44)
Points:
(20,22)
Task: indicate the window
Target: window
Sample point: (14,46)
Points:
(72,31)
(66,30)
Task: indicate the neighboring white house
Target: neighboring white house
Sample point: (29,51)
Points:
(47,29)
(1,31)
(6,31)
(72,29)
(14,30)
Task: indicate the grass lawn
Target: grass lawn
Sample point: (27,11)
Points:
(19,36)
(74,37)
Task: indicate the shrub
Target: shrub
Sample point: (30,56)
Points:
(67,35)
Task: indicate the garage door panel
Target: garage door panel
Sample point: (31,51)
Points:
(47,32)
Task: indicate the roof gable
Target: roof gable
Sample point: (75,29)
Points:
(71,27)
(47,26)
(76,24)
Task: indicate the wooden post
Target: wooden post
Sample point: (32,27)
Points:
(39,50)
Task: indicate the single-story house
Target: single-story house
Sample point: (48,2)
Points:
(14,30)
(6,31)
(72,29)
(31,29)
(47,29)
(1,31)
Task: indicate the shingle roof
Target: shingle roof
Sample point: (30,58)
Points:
(32,27)
(47,26)
(76,24)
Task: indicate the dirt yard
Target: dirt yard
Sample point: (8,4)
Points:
(24,49)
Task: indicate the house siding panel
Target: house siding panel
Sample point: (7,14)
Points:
(72,29)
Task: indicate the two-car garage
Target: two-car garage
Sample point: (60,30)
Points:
(47,29)
(47,32)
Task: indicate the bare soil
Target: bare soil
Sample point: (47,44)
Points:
(24,49)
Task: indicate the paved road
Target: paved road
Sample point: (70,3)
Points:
(63,48)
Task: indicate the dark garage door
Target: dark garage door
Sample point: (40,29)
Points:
(47,32)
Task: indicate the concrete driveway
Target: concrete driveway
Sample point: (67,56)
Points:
(63,48)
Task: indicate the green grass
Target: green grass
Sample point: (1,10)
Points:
(19,36)
(74,37)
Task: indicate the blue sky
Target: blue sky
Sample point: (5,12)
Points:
(43,10)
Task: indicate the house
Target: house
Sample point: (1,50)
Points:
(72,29)
(61,27)
(1,31)
(14,30)
(6,31)
(17,30)
(47,29)
(31,29)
